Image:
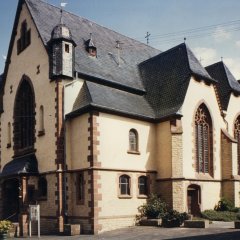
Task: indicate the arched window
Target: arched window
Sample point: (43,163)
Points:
(42,187)
(133,140)
(143,185)
(41,121)
(24,117)
(9,135)
(124,185)
(203,140)
(237,137)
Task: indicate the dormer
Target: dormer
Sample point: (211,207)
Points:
(90,47)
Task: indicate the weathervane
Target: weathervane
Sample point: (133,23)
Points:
(63,4)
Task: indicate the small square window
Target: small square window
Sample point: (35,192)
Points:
(67,49)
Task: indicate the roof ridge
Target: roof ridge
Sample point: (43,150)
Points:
(162,53)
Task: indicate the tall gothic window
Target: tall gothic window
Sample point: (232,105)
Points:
(24,118)
(203,140)
(237,136)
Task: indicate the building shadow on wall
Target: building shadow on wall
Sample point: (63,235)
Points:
(218,236)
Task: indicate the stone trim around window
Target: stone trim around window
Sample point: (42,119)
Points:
(124,196)
(143,196)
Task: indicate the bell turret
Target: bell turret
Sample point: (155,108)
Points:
(62,52)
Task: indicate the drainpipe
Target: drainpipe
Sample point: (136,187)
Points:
(64,163)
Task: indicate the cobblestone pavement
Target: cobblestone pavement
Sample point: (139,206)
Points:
(218,231)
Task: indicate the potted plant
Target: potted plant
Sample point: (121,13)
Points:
(173,218)
(5,226)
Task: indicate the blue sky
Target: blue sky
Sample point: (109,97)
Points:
(159,17)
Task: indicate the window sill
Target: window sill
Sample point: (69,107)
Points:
(24,151)
(203,176)
(124,196)
(142,196)
(133,152)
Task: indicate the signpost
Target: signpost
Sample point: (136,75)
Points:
(34,215)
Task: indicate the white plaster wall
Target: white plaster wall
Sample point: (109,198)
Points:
(164,150)
(114,143)
(77,142)
(71,91)
(26,63)
(197,93)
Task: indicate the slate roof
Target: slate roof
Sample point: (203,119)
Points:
(226,82)
(166,78)
(146,83)
(107,98)
(105,66)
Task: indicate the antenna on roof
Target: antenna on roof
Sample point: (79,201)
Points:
(63,4)
(118,46)
(185,39)
(147,37)
(221,59)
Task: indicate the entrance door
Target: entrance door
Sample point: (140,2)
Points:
(11,200)
(194,200)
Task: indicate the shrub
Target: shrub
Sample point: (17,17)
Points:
(173,218)
(154,208)
(5,226)
(225,205)
(225,216)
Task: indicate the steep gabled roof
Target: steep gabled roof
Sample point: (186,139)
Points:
(93,95)
(226,82)
(105,66)
(166,78)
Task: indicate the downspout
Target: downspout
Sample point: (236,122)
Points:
(64,163)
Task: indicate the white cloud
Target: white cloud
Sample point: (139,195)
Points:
(237,43)
(234,66)
(221,34)
(4,57)
(206,56)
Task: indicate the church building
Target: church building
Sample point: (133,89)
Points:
(90,126)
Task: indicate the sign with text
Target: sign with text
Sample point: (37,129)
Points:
(34,216)
(34,212)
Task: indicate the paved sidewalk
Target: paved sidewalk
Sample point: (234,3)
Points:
(217,231)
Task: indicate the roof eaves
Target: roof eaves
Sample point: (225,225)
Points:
(110,83)
(96,107)
(199,76)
